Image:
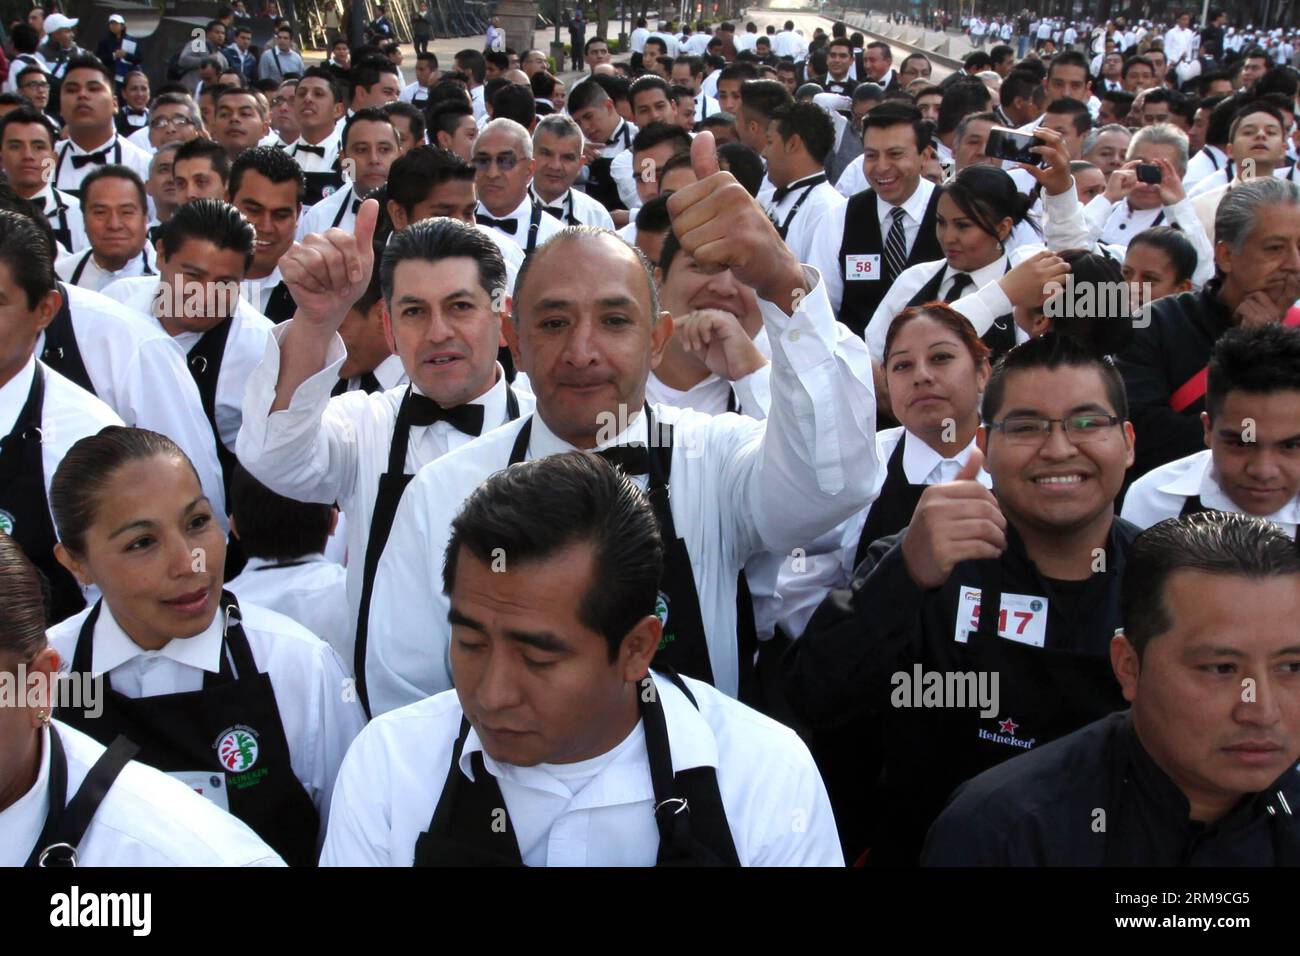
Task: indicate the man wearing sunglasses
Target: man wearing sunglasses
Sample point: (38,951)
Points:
(982,630)
(503,169)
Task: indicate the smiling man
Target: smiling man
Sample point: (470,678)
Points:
(205,253)
(1201,770)
(1022,581)
(116,222)
(266,186)
(318,105)
(1252,433)
(557,717)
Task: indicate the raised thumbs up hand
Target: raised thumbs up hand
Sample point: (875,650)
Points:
(327,272)
(722,227)
(956,521)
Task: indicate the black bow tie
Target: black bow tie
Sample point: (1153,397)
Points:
(783,191)
(508,225)
(465,418)
(633,459)
(556,211)
(618,135)
(86,158)
(308,148)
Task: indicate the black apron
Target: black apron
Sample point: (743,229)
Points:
(1044,693)
(892,511)
(684,647)
(61,351)
(280,307)
(808,185)
(1001,336)
(318,185)
(24,508)
(392,483)
(692,821)
(59,220)
(204,362)
(66,822)
(231,727)
(600,180)
(81,266)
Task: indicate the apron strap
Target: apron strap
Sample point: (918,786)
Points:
(519,451)
(66,826)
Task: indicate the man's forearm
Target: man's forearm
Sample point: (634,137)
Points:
(303,353)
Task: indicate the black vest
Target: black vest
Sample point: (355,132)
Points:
(862,237)
(1001,336)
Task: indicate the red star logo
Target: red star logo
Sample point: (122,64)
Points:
(1008,726)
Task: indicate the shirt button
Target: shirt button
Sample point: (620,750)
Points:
(794,335)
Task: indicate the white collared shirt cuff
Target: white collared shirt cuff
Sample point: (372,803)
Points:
(808,336)
(982,308)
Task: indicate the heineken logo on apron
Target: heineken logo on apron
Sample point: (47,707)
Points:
(237,749)
(6,522)
(661,612)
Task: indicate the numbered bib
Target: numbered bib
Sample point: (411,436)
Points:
(1021,617)
(862,268)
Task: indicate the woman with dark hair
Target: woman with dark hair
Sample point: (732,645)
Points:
(239,702)
(1094,304)
(141,817)
(976,214)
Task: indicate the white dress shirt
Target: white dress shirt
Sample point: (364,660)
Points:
(311,590)
(1207,160)
(1066,226)
(809,218)
(734,477)
(853,180)
(91,275)
(1162,492)
(593,813)
(332,212)
(982,305)
(1117,223)
(314,696)
(705,106)
(575,203)
(824,253)
(244,348)
(618,149)
(69,414)
(139,373)
(334,449)
(145,819)
(711,395)
(140,138)
(72,213)
(476,102)
(547,226)
(19,63)
(1219,178)
(68,177)
(636,43)
(786,43)
(414,93)
(310,162)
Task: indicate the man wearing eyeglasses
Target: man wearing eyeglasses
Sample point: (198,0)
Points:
(503,168)
(982,630)
(34,83)
(173,118)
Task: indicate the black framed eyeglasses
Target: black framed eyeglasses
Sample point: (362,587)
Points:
(1079,429)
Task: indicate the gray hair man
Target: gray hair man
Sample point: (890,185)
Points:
(503,170)
(557,154)
(1257,255)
